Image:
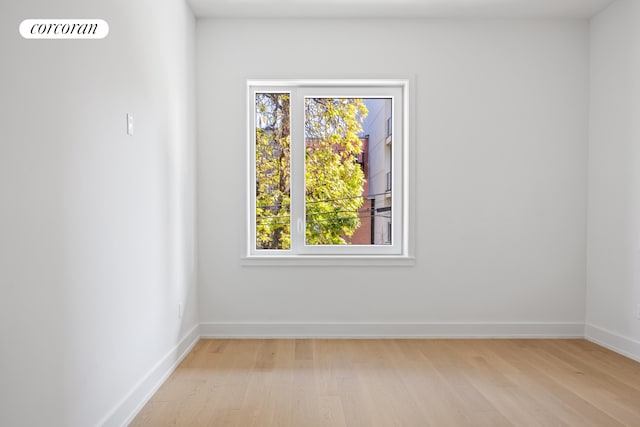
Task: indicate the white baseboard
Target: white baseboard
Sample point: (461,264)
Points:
(623,345)
(392,330)
(139,395)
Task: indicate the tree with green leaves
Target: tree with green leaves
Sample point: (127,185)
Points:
(333,176)
(273,172)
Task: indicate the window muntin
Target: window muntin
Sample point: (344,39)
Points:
(307,218)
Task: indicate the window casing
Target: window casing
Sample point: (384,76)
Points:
(298,217)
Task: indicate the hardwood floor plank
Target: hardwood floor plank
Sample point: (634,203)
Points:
(617,402)
(576,410)
(413,382)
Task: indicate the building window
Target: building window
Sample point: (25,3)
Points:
(320,181)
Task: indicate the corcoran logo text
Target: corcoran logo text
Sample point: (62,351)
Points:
(64,28)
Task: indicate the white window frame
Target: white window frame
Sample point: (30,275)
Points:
(398,252)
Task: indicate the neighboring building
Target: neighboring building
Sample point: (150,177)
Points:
(363,234)
(378,127)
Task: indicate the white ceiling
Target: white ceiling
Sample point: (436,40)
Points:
(397,8)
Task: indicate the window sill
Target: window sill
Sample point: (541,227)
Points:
(329,261)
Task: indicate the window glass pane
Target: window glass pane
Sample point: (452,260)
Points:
(348,160)
(273,171)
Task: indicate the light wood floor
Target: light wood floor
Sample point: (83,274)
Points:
(386,383)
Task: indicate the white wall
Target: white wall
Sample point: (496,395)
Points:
(613,279)
(96,228)
(501,120)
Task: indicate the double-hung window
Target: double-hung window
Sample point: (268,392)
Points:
(327,169)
